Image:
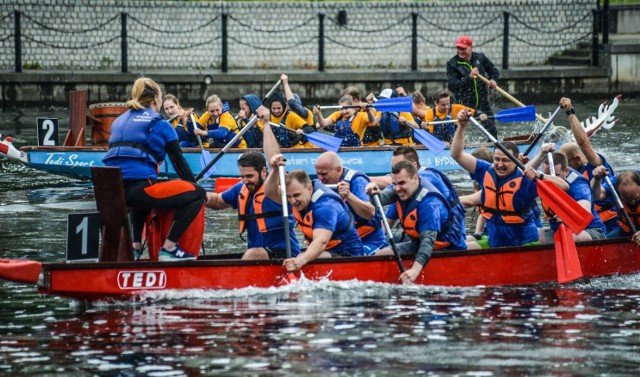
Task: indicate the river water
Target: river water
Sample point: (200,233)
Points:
(587,328)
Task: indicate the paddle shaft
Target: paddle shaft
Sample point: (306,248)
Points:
(282,126)
(509,96)
(542,131)
(173,117)
(387,228)
(285,210)
(249,125)
(193,120)
(619,204)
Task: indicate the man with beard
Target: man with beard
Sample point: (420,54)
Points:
(508,196)
(260,216)
(462,79)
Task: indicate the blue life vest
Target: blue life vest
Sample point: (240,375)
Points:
(363,226)
(221,142)
(444,132)
(391,127)
(345,132)
(286,139)
(129,139)
(305,219)
(408,213)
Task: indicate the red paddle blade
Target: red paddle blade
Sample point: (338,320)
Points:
(570,212)
(289,278)
(567,260)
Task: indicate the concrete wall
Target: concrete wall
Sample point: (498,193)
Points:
(85,34)
(627,19)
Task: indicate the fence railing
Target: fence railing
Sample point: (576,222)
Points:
(414,38)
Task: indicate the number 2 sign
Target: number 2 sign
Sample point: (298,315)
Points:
(47,131)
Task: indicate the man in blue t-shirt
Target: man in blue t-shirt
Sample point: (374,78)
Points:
(507,194)
(350,185)
(424,213)
(322,216)
(260,216)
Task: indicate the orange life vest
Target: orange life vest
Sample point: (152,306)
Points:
(409,220)
(257,215)
(500,202)
(634,216)
(305,224)
(605,211)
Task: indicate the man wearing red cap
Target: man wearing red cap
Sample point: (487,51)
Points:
(462,72)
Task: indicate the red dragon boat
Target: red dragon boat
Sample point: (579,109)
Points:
(93,281)
(114,275)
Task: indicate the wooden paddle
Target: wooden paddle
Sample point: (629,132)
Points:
(387,229)
(619,204)
(509,97)
(246,128)
(205,157)
(572,214)
(567,260)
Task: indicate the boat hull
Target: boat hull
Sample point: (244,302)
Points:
(497,267)
(374,161)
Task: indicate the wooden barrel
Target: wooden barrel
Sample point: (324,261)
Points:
(105,114)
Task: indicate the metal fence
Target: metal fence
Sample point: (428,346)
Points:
(319,39)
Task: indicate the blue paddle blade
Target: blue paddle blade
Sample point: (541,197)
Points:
(399,104)
(518,114)
(326,142)
(434,144)
(205,158)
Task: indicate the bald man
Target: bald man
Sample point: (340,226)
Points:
(582,157)
(351,188)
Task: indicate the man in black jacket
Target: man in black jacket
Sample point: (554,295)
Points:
(462,72)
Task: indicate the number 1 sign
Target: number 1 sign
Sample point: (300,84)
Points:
(83,237)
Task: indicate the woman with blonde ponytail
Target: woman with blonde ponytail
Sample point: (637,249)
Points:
(140,140)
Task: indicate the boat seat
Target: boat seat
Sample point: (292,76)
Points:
(116,244)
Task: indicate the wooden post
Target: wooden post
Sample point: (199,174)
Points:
(77,119)
(116,244)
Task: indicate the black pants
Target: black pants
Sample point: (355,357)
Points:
(142,196)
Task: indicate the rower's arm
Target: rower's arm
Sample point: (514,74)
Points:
(423,255)
(215,201)
(322,121)
(381,181)
(580,134)
(471,200)
(270,144)
(321,238)
(362,208)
